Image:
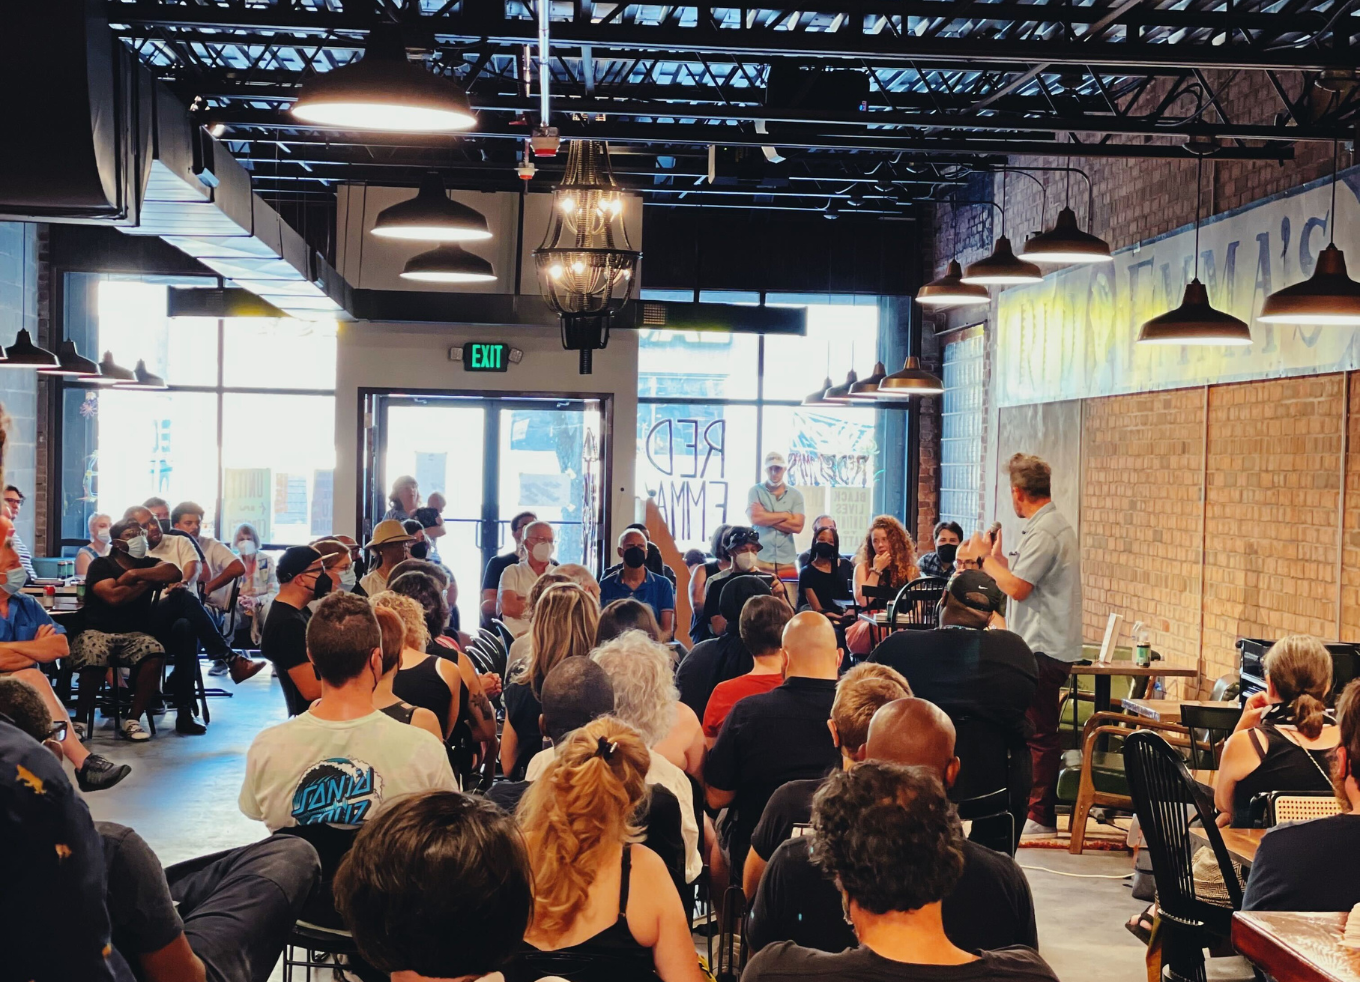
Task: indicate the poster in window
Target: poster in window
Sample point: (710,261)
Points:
(323,519)
(245,500)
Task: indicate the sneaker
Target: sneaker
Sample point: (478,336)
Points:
(243,668)
(1033,828)
(99,773)
(219,668)
(187,725)
(132,730)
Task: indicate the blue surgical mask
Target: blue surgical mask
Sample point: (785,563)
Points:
(348,579)
(137,548)
(14,580)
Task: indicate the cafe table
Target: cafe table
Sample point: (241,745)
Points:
(1169,710)
(1240,843)
(1296,947)
(1104,671)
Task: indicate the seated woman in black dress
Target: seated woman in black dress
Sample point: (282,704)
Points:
(1285,738)
(605,909)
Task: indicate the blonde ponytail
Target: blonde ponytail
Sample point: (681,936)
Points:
(583,803)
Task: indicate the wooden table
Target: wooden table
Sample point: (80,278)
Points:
(1296,947)
(1240,843)
(1104,671)
(1169,710)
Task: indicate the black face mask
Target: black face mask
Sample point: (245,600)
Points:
(420,550)
(164,523)
(323,586)
(947,552)
(824,550)
(634,556)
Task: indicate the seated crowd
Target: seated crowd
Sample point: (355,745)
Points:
(768,757)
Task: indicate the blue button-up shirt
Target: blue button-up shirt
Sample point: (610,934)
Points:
(1048,557)
(655,591)
(24,617)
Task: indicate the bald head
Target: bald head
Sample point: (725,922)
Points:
(915,733)
(809,644)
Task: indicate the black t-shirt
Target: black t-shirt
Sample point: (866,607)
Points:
(713,588)
(140,906)
(1309,866)
(768,740)
(788,961)
(990,907)
(491,579)
(708,663)
(988,675)
(789,810)
(829,587)
(284,642)
(125,618)
(522,710)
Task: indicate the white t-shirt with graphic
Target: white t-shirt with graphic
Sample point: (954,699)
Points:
(311,771)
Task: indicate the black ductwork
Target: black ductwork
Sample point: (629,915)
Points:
(77,116)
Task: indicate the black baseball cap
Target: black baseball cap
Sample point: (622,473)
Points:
(740,535)
(976,590)
(295,560)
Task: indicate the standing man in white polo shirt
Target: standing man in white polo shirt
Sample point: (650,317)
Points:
(777,512)
(1042,576)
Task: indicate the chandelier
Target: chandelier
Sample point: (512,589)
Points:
(586,265)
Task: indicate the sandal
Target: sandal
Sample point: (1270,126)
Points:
(1140,925)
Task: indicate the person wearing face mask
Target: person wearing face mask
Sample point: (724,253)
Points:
(948,537)
(634,581)
(258,585)
(818,523)
(391,544)
(118,620)
(512,596)
(743,546)
(825,579)
(339,566)
(302,579)
(776,510)
(98,544)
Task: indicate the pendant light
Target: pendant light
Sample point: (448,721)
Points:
(1195,321)
(23,353)
(839,395)
(110,372)
(818,398)
(431,216)
(71,363)
(142,379)
(866,390)
(1001,268)
(912,380)
(449,263)
(950,291)
(1065,242)
(1329,297)
(383,90)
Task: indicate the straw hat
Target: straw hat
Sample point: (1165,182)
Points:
(387,531)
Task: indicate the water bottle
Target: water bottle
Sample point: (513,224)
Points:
(1142,648)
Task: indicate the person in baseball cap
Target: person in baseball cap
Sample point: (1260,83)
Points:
(977,591)
(778,513)
(392,544)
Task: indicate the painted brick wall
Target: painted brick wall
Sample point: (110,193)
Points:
(18,388)
(1142,516)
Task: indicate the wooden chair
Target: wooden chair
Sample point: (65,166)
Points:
(1103,782)
(1299,806)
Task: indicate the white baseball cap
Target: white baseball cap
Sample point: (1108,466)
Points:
(774,459)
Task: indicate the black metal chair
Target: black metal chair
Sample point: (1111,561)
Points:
(916,606)
(732,945)
(993,824)
(1166,799)
(992,761)
(1210,727)
(310,947)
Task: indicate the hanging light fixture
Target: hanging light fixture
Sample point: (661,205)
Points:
(71,363)
(23,353)
(383,90)
(1001,268)
(450,263)
(1065,242)
(110,372)
(949,290)
(818,398)
(141,379)
(431,216)
(1329,297)
(866,389)
(1195,321)
(586,264)
(839,395)
(912,380)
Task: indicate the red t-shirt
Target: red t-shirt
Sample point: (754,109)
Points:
(728,694)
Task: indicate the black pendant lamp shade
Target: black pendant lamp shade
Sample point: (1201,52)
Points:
(1001,268)
(1195,322)
(23,353)
(1328,297)
(111,372)
(142,379)
(384,91)
(449,263)
(912,380)
(818,398)
(950,290)
(866,389)
(71,363)
(1066,243)
(431,216)
(839,395)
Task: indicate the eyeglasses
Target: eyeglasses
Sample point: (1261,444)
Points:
(59,730)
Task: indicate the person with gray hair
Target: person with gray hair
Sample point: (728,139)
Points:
(646,699)
(100,537)
(1042,577)
(512,596)
(634,581)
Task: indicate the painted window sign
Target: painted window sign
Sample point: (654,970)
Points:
(688,460)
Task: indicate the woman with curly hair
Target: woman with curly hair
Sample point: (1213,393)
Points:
(886,560)
(605,909)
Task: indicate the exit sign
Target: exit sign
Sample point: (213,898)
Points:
(486,356)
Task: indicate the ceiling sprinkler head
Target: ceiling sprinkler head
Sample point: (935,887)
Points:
(545,141)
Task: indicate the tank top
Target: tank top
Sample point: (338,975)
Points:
(423,686)
(613,955)
(1285,766)
(400,711)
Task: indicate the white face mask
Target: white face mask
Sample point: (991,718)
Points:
(103,535)
(247,547)
(744,561)
(137,548)
(14,580)
(543,552)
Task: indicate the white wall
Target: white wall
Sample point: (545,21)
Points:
(411,357)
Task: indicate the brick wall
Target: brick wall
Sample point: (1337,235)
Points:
(18,388)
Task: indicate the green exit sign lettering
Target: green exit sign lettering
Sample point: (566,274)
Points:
(486,356)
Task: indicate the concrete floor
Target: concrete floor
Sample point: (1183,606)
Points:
(181,797)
